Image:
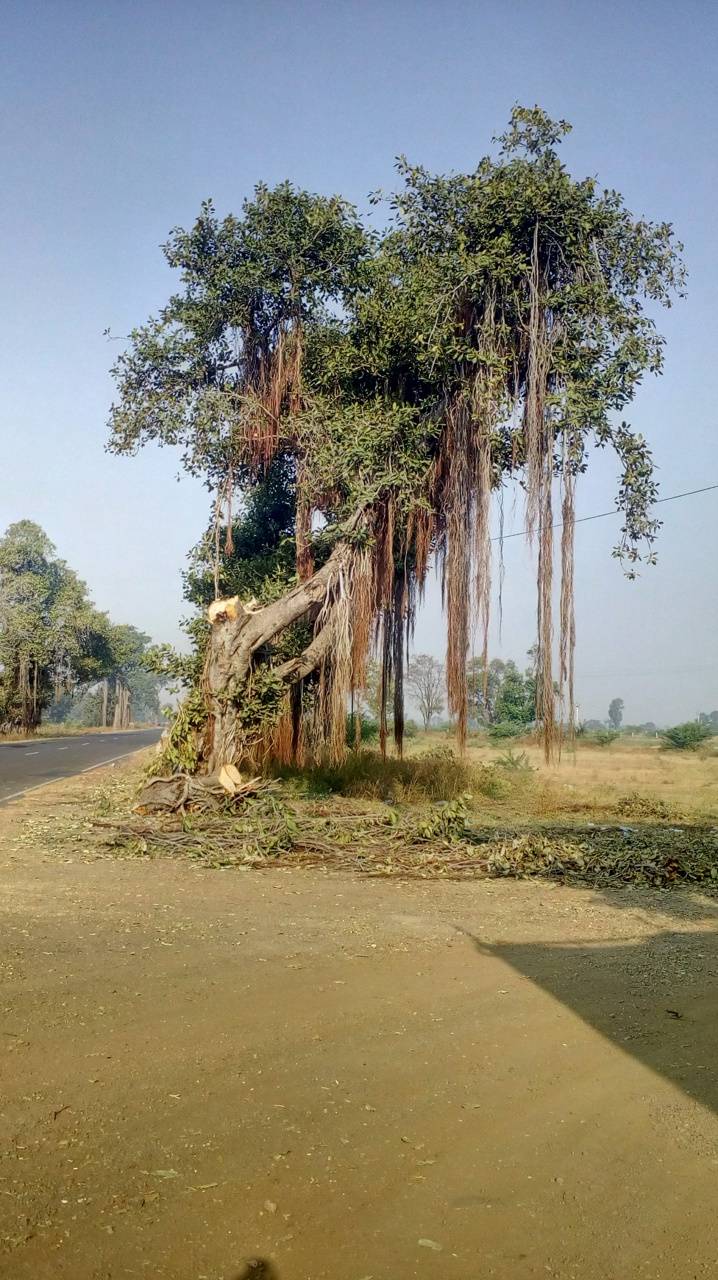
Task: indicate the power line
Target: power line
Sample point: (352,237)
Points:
(601,515)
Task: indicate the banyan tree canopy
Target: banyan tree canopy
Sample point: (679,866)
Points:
(357,399)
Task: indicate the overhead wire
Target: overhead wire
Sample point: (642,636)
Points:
(601,515)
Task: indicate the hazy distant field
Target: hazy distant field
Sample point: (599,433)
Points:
(592,779)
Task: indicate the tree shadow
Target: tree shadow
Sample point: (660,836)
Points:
(656,999)
(682,905)
(257,1269)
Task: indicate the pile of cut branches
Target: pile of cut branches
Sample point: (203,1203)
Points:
(437,842)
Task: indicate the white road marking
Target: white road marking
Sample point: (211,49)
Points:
(50,742)
(49,781)
(14,794)
(59,749)
(32,753)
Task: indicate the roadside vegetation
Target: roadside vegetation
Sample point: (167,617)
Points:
(633,814)
(358,403)
(64,666)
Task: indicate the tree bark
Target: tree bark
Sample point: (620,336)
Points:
(121,718)
(238,633)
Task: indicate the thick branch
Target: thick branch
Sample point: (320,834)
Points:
(308,660)
(238,632)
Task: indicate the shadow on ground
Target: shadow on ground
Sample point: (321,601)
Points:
(677,904)
(257,1269)
(656,998)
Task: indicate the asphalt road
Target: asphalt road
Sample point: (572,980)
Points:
(26,765)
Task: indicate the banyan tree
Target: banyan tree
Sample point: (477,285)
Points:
(357,400)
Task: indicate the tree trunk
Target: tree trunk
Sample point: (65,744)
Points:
(105,699)
(121,718)
(236,636)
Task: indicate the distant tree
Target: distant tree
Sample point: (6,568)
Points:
(686,737)
(500,693)
(484,685)
(52,639)
(60,657)
(85,710)
(592,726)
(370,694)
(425,678)
(615,713)
(516,702)
(144,697)
(709,719)
(128,649)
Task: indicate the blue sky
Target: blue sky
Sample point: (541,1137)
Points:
(119,119)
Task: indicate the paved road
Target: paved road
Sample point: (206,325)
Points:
(25,765)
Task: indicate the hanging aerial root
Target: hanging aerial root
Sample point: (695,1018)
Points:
(457,561)
(567,643)
(482,546)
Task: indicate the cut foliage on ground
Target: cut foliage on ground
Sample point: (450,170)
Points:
(492,820)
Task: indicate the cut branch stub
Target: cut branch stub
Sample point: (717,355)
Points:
(238,631)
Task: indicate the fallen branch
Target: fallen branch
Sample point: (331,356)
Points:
(182,792)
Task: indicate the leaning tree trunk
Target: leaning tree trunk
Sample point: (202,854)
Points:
(239,632)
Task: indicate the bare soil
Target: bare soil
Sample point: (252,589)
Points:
(353,1079)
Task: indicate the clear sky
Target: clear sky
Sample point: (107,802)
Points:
(119,118)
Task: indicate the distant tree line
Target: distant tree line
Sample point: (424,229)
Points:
(499,693)
(502,699)
(61,659)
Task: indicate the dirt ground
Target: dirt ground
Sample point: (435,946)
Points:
(354,1079)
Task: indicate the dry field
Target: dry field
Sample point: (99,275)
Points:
(592,779)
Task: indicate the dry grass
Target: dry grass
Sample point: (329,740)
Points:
(593,781)
(632,780)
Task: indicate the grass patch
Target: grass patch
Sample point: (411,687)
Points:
(436,775)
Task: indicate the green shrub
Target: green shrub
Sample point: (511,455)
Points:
(517,762)
(508,729)
(685,737)
(369,730)
(603,737)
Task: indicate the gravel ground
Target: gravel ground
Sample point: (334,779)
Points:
(352,1079)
